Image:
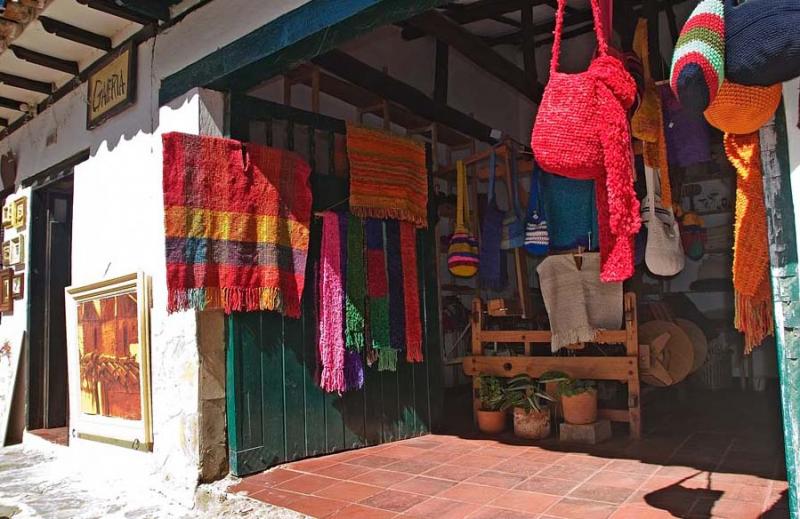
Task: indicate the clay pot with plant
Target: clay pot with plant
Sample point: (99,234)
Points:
(491,415)
(578,397)
(526,396)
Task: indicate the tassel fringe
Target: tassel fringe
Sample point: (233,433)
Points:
(231,300)
(387,359)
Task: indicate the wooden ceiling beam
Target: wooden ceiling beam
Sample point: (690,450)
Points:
(13,104)
(149,8)
(43,60)
(120,12)
(76,34)
(26,83)
(475,50)
(395,91)
(3,122)
(480,10)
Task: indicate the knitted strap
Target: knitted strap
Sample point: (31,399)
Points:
(534,201)
(461,198)
(492,176)
(514,174)
(602,45)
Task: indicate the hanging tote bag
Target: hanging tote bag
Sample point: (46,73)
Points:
(664,251)
(537,237)
(513,225)
(492,273)
(462,253)
(582,132)
(762,41)
(698,63)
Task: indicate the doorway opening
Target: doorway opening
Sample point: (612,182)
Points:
(51,268)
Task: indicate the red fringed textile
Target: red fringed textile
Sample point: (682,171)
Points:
(408,250)
(237,225)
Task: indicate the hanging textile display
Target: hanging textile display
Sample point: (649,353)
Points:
(237,225)
(743,109)
(355,297)
(698,63)
(537,237)
(492,274)
(571,212)
(664,250)
(513,235)
(687,133)
(331,300)
(394,263)
(648,122)
(388,176)
(751,281)
(413,318)
(577,302)
(353,363)
(582,132)
(462,253)
(378,295)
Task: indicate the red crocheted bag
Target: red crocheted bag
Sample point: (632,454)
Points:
(581,131)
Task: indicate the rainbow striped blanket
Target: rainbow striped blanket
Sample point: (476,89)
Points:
(237,222)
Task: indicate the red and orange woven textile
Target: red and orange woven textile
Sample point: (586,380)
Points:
(751,281)
(237,225)
(388,176)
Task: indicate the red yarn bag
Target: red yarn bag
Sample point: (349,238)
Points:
(582,132)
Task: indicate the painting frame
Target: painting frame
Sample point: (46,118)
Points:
(20,213)
(8,215)
(6,293)
(136,434)
(18,286)
(17,254)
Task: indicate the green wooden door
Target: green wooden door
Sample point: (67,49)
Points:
(276,411)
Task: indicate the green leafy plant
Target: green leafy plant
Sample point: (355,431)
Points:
(525,392)
(490,393)
(567,386)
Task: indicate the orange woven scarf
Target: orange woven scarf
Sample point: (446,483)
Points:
(751,247)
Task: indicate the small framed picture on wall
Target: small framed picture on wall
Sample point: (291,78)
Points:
(17,253)
(7,254)
(8,214)
(6,293)
(20,212)
(18,286)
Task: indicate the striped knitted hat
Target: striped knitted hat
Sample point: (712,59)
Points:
(698,63)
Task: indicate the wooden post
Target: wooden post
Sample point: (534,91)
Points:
(520,258)
(477,351)
(632,351)
(315,90)
(287,91)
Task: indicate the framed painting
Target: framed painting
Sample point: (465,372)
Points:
(16,255)
(20,210)
(108,348)
(7,254)
(18,286)
(8,214)
(6,290)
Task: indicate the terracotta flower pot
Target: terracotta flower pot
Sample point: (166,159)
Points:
(580,409)
(491,422)
(534,425)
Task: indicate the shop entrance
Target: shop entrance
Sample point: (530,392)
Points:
(276,411)
(51,254)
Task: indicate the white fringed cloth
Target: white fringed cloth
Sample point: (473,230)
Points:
(577,302)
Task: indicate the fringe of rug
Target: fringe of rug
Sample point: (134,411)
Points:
(573,336)
(754,318)
(231,300)
(390,213)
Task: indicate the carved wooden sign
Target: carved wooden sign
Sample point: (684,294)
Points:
(112,86)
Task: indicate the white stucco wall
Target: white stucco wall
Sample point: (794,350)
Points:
(118,228)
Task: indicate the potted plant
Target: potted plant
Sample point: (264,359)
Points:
(578,397)
(491,415)
(531,410)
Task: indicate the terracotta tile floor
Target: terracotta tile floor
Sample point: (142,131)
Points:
(701,468)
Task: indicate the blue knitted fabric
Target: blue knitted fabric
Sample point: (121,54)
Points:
(571,212)
(762,41)
(492,274)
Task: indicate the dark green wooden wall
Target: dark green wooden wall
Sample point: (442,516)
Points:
(276,411)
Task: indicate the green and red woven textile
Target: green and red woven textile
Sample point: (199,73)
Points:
(237,225)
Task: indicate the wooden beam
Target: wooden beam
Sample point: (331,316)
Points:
(518,37)
(26,84)
(441,76)
(480,10)
(43,60)
(397,92)
(149,8)
(473,48)
(3,122)
(76,34)
(120,12)
(529,45)
(12,104)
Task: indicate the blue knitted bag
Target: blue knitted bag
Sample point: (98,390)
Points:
(571,211)
(537,237)
(762,41)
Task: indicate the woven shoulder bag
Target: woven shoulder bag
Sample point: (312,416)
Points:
(513,225)
(572,116)
(462,252)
